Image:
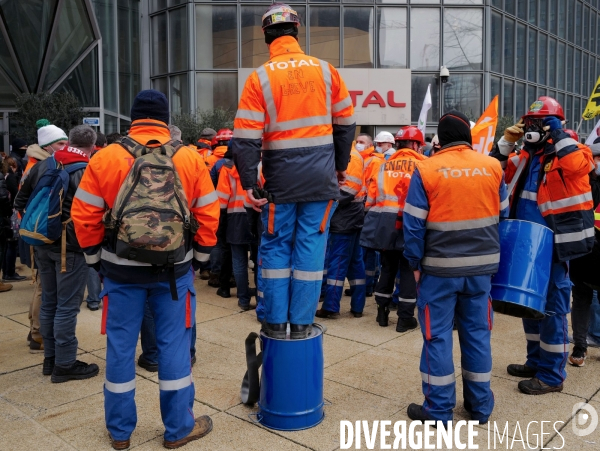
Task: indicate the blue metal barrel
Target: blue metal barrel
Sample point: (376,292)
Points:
(291,386)
(521,284)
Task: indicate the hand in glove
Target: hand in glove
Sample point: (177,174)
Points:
(515,132)
(552,123)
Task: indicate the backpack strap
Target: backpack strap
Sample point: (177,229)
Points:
(51,162)
(75,167)
(137,149)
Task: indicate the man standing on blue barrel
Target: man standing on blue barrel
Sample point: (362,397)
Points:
(551,188)
(453,207)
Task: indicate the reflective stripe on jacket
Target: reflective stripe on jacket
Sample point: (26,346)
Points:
(385,201)
(234,199)
(301,110)
(555,182)
(452,212)
(348,216)
(98,190)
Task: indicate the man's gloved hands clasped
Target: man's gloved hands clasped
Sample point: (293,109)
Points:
(552,123)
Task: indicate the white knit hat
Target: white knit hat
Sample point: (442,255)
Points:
(48,133)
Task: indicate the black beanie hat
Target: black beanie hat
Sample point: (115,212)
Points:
(18,143)
(454,127)
(150,104)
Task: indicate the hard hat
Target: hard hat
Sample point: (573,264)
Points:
(572,134)
(384,137)
(543,107)
(224,134)
(410,133)
(279,13)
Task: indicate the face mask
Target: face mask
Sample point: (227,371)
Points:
(360,147)
(378,149)
(533,137)
(390,151)
(598,168)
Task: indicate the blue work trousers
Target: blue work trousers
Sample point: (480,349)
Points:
(94,286)
(442,301)
(344,259)
(292,253)
(173,327)
(371,258)
(547,339)
(239,257)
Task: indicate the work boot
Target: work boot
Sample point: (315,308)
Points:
(277,331)
(520,370)
(93,306)
(48,366)
(322,313)
(383,314)
(469,409)
(79,370)
(300,331)
(369,294)
(147,365)
(224,293)
(119,444)
(5,287)
(29,337)
(202,427)
(356,314)
(213,280)
(232,282)
(14,278)
(36,345)
(577,357)
(535,386)
(407,324)
(246,307)
(347,292)
(416,413)
(204,274)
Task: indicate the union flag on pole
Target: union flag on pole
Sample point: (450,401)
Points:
(485,129)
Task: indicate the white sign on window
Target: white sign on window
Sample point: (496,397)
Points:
(380,96)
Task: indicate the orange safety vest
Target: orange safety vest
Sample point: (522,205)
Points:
(462,188)
(234,199)
(102,180)
(386,196)
(564,195)
(371,167)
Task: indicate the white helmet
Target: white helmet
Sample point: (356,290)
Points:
(384,137)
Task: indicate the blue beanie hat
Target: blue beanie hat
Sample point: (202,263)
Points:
(150,104)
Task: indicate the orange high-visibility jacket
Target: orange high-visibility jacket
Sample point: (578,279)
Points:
(564,195)
(367,152)
(371,167)
(101,183)
(215,156)
(234,199)
(348,216)
(299,106)
(385,201)
(451,215)
(204,149)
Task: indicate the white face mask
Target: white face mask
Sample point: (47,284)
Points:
(360,147)
(378,149)
(390,151)
(598,168)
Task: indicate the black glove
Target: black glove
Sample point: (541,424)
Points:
(260,193)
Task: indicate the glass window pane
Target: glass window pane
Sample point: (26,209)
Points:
(325,33)
(562,13)
(178,40)
(180,94)
(162,85)
(520,104)
(522,9)
(496,3)
(584,74)
(216,36)
(425,39)
(576,113)
(569,73)
(560,61)
(128,22)
(509,6)
(467,2)
(577,72)
(495,84)
(586,28)
(509,46)
(73,35)
(159,44)
(569,109)
(463,38)
(111,124)
(463,93)
(552,62)
(570,21)
(424,1)
(216,91)
(507,96)
(598,34)
(521,50)
(105,15)
(419,88)
(391,1)
(496,42)
(156,5)
(544,15)
(542,57)
(560,98)
(391,26)
(531,95)
(551,16)
(358,37)
(532,14)
(6,62)
(578,23)
(532,56)
(83,81)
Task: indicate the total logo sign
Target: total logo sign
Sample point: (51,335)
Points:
(379,96)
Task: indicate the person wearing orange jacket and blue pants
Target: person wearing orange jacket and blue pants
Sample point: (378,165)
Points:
(295,111)
(129,284)
(552,188)
(454,204)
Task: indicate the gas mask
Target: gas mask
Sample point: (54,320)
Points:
(534,132)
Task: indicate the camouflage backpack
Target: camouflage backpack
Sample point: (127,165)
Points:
(150,221)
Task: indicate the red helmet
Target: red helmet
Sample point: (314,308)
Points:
(214,143)
(224,135)
(572,134)
(410,133)
(279,13)
(543,107)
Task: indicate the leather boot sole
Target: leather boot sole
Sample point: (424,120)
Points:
(197,433)
(119,444)
(524,388)
(73,377)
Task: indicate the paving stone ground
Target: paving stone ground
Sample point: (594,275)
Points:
(371,373)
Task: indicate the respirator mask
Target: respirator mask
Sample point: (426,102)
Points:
(534,131)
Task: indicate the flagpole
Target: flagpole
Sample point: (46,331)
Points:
(577,131)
